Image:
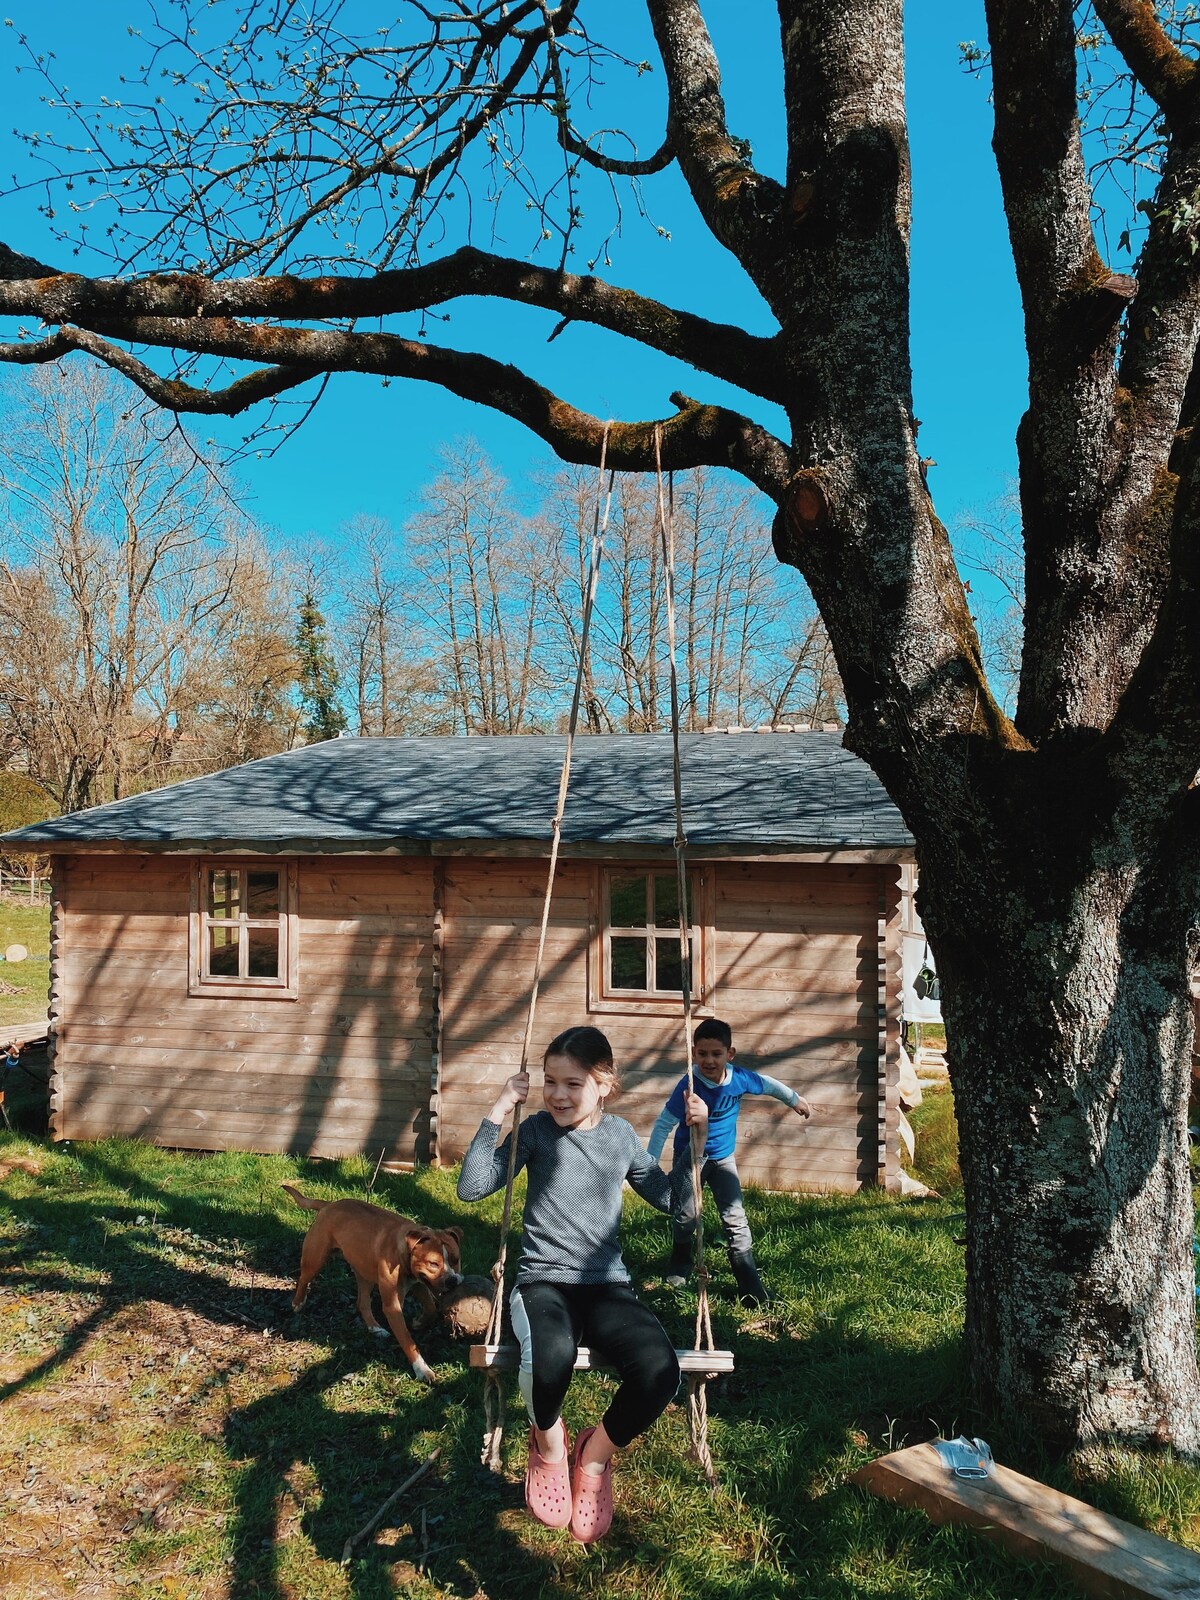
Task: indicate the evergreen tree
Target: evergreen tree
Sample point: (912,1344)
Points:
(317,676)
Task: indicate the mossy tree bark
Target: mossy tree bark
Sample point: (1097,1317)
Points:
(1064,966)
(1058,847)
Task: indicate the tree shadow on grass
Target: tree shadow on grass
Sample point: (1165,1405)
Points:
(822,1384)
(812,1396)
(452,1525)
(113,1239)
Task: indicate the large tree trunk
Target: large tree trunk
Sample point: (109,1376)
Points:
(1065,993)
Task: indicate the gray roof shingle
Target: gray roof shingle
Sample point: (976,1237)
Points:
(789,791)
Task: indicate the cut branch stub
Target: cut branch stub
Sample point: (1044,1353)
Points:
(800,198)
(807,501)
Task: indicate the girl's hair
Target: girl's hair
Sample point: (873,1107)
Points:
(590,1049)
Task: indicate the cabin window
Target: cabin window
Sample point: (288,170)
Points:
(637,961)
(243,929)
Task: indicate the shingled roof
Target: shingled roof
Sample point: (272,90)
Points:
(772,791)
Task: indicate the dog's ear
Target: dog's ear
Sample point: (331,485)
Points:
(455,1233)
(417,1236)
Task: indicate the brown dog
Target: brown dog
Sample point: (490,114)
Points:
(385,1251)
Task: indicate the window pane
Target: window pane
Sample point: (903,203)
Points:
(666,900)
(627,904)
(262,952)
(668,970)
(223,952)
(628,963)
(262,894)
(223,893)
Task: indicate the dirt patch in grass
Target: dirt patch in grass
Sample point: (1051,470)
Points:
(119,1446)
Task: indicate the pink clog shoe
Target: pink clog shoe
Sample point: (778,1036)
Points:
(591,1496)
(548,1483)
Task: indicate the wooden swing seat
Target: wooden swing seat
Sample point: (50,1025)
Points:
(507,1357)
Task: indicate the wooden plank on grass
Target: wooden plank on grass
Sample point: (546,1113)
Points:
(1106,1556)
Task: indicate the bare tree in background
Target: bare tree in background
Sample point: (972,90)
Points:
(989,542)
(564,526)
(752,648)
(121,572)
(246,706)
(384,652)
(479,589)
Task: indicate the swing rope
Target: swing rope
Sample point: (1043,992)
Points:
(493,1400)
(697,1382)
(697,1404)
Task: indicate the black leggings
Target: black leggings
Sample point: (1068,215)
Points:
(551,1321)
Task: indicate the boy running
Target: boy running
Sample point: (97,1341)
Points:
(721,1086)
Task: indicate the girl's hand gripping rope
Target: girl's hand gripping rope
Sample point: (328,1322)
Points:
(514,1093)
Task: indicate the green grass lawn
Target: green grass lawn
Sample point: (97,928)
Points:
(936,1134)
(172,1432)
(21,923)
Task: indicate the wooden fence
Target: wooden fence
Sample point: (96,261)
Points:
(30,886)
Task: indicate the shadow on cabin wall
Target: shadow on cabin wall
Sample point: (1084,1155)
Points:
(362,1044)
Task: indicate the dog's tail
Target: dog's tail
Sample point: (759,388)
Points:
(302,1200)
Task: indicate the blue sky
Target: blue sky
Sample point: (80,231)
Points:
(368,449)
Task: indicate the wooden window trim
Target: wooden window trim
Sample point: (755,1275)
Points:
(286,985)
(631,1002)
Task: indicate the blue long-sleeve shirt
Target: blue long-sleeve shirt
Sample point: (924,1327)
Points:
(724,1101)
(573,1201)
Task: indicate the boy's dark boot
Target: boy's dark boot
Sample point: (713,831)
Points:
(680,1265)
(751,1289)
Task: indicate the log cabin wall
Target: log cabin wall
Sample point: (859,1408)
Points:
(802,961)
(412,987)
(344,1067)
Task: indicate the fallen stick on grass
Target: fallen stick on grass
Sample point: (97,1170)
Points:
(369,1527)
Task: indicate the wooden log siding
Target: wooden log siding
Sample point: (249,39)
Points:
(414,983)
(346,1067)
(800,954)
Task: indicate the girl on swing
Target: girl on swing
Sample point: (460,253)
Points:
(572,1287)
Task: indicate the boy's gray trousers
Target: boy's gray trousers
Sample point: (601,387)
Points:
(722,1178)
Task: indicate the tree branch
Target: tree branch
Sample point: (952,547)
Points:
(616,165)
(1151,748)
(1046,193)
(697,435)
(1073,308)
(725,351)
(738,203)
(170,393)
(1164,72)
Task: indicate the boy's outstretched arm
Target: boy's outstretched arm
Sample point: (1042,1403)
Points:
(789,1097)
(645,1176)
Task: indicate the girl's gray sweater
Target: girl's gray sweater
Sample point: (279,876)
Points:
(573,1202)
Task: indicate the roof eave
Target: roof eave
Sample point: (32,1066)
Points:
(746,850)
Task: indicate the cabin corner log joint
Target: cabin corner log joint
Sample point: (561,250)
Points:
(329,951)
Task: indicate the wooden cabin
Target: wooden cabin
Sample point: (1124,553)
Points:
(329,951)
